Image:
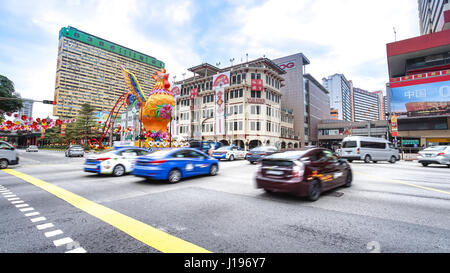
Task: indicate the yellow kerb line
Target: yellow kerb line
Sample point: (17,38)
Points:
(149,235)
(404,183)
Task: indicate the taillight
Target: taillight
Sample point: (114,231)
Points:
(103,158)
(439,154)
(358,151)
(297,171)
(249,154)
(157,162)
(263,154)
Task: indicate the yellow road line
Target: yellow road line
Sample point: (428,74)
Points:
(149,235)
(404,183)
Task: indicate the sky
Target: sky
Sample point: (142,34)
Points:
(337,36)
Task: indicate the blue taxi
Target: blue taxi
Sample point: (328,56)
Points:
(175,164)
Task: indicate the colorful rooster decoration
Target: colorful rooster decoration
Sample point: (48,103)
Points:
(156,110)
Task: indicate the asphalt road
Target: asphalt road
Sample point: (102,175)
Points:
(400,207)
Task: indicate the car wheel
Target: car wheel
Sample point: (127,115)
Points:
(3,164)
(367,159)
(350,160)
(213,170)
(392,160)
(268,191)
(314,190)
(231,158)
(174,176)
(424,164)
(119,170)
(348,179)
(374,161)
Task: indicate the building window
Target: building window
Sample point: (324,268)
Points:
(76,34)
(89,39)
(112,47)
(101,43)
(253,76)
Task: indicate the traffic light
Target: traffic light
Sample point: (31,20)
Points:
(49,102)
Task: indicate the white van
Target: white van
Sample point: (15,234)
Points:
(368,149)
(8,155)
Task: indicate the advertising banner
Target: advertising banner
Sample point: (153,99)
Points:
(221,80)
(220,111)
(394,125)
(427,99)
(176,90)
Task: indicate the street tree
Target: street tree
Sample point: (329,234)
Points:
(8,101)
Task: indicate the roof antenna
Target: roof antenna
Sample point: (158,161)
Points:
(395,35)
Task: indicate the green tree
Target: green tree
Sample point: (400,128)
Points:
(84,124)
(6,93)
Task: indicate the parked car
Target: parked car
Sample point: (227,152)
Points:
(435,155)
(256,154)
(8,155)
(304,172)
(368,149)
(229,153)
(75,150)
(114,161)
(175,164)
(32,148)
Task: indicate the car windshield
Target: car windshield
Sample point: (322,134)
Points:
(436,148)
(289,155)
(263,149)
(349,144)
(224,148)
(33,146)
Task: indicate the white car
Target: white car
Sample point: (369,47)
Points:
(229,153)
(115,161)
(435,155)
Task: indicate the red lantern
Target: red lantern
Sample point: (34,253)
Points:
(24,117)
(38,120)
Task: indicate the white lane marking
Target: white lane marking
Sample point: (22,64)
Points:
(5,192)
(12,199)
(53,233)
(62,241)
(26,209)
(44,226)
(77,250)
(38,219)
(32,214)
(10,195)
(22,205)
(16,202)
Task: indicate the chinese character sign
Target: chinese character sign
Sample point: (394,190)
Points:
(257,85)
(428,99)
(194,93)
(221,80)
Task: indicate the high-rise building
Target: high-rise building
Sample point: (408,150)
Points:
(340,95)
(27,108)
(294,93)
(316,107)
(434,16)
(89,71)
(367,105)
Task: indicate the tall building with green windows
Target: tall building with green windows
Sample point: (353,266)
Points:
(89,71)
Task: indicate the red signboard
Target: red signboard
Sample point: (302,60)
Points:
(194,93)
(257,85)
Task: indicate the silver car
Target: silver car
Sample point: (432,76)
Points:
(435,155)
(75,150)
(8,155)
(32,148)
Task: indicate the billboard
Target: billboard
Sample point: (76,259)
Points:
(423,99)
(220,111)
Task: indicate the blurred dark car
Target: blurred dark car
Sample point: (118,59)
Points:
(304,172)
(256,154)
(75,150)
(32,148)
(205,146)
